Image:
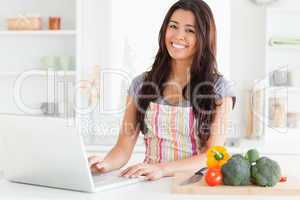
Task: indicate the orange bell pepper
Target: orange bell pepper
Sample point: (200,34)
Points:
(217,156)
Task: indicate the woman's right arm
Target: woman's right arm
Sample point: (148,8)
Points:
(121,152)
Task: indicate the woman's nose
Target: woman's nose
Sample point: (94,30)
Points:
(180,34)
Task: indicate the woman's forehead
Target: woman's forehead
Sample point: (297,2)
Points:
(184,17)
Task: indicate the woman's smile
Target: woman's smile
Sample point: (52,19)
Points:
(178,45)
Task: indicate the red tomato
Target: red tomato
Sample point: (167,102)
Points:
(283,179)
(213,176)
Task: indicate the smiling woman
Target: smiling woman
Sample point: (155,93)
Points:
(181,105)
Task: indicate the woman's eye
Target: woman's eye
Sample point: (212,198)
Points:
(190,31)
(172,26)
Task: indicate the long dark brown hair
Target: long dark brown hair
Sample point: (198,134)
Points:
(203,72)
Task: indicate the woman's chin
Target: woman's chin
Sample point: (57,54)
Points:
(180,57)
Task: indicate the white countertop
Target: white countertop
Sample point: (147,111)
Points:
(158,190)
(155,190)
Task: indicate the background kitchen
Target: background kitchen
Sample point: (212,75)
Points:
(42,69)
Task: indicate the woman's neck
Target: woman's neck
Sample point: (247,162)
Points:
(180,70)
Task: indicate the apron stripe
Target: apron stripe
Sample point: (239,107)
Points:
(169,145)
(151,131)
(154,128)
(174,134)
(182,121)
(191,129)
(157,125)
(160,150)
(179,139)
(156,119)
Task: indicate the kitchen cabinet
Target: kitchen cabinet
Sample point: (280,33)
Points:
(25,81)
(281,116)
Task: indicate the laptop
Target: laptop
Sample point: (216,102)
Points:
(46,151)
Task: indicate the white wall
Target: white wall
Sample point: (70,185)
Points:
(247,54)
(222,15)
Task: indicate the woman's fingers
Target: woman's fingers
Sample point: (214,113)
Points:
(131,170)
(140,172)
(95,164)
(126,170)
(94,169)
(93,160)
(152,176)
(150,172)
(98,167)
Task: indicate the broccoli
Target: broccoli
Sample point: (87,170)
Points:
(237,171)
(252,155)
(265,172)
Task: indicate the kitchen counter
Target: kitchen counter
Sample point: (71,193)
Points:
(158,190)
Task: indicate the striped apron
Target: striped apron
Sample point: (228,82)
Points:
(170,133)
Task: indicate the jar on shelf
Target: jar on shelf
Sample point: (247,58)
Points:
(54,23)
(293,120)
(24,23)
(65,62)
(50,62)
(294,77)
(279,77)
(277,112)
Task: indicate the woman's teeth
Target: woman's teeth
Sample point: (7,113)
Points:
(178,46)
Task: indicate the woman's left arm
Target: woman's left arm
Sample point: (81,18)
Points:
(217,137)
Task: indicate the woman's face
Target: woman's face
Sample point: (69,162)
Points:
(180,37)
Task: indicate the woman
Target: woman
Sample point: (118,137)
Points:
(181,105)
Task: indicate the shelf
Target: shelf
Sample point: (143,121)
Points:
(41,33)
(288,88)
(284,10)
(284,92)
(40,73)
(284,47)
(284,130)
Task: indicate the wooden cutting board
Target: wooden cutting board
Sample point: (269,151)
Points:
(290,187)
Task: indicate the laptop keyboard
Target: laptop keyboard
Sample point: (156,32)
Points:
(112,178)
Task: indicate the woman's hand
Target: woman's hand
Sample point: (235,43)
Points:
(97,165)
(150,171)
